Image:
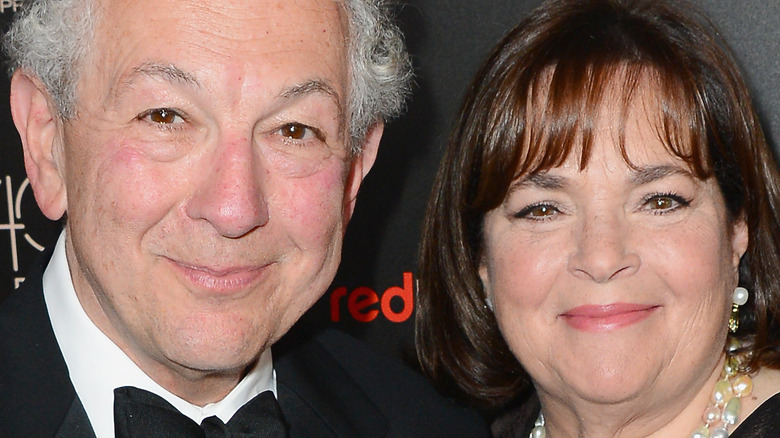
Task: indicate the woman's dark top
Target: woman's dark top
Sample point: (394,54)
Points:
(764,422)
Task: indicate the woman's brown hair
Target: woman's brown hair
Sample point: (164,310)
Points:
(534,102)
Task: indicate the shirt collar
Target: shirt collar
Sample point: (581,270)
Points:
(97,366)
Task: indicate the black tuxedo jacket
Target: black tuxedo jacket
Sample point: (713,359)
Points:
(329,385)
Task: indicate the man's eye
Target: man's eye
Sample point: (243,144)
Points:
(162,116)
(296,131)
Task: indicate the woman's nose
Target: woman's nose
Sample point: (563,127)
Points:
(603,249)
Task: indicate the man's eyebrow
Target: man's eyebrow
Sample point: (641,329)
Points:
(166,72)
(313,86)
(648,174)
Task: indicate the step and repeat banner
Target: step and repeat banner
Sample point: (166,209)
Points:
(372,296)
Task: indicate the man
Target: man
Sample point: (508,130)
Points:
(206,156)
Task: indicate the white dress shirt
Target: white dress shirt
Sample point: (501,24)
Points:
(97,366)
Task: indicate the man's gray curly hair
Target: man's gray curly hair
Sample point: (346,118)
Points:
(52,38)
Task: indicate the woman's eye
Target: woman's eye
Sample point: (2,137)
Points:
(162,116)
(662,203)
(537,212)
(665,202)
(296,131)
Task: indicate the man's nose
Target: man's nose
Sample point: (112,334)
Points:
(603,249)
(231,195)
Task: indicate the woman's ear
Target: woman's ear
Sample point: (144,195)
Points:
(39,127)
(739,239)
(484,277)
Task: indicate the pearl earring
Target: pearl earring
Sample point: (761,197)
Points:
(740,298)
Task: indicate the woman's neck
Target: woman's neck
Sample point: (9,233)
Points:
(637,417)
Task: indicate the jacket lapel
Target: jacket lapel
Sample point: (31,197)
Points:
(319,398)
(76,423)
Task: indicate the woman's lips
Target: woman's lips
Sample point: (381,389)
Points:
(224,280)
(602,318)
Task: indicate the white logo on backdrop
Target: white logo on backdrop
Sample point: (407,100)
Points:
(13,223)
(10,5)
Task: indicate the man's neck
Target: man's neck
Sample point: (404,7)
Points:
(195,386)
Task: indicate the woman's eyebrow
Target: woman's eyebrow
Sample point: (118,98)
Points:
(540,180)
(639,176)
(648,174)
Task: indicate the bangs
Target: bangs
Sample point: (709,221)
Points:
(565,107)
(541,102)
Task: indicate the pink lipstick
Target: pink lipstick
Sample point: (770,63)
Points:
(598,318)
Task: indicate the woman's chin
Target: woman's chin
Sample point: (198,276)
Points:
(605,382)
(605,392)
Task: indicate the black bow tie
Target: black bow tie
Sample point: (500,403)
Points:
(141,414)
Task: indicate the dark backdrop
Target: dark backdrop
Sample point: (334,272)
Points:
(371,296)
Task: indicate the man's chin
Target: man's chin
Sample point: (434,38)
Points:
(213,363)
(216,353)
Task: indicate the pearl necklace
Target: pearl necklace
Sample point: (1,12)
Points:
(725,401)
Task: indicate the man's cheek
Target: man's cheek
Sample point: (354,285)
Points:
(315,205)
(133,187)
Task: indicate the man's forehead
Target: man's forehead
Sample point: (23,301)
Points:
(245,38)
(268,16)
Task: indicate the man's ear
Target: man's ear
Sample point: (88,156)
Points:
(361,164)
(38,124)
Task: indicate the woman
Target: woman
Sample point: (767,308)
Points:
(604,226)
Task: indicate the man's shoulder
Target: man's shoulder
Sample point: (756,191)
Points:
(37,392)
(25,329)
(347,366)
(23,314)
(28,298)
